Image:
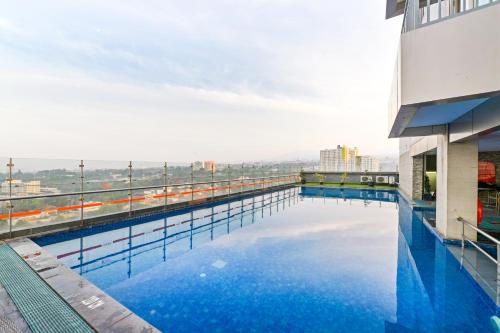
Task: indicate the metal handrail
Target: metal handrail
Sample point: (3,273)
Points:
(54,195)
(495,261)
(491,238)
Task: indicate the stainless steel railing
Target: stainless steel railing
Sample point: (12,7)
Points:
(465,240)
(149,187)
(239,184)
(493,283)
(419,13)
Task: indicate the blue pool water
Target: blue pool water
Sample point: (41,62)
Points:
(298,260)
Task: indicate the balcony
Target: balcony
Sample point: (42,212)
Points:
(444,65)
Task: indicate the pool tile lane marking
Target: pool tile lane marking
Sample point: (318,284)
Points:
(100,310)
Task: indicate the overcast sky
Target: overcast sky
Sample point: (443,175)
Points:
(194,80)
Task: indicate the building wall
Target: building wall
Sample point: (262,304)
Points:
(406,174)
(456,192)
(441,61)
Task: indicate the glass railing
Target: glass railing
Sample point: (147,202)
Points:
(36,193)
(419,13)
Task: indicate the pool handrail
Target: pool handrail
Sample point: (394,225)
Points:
(485,234)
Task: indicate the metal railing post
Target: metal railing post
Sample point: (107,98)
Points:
(10,165)
(242,177)
(82,181)
(213,184)
(192,182)
(463,233)
(130,188)
(498,274)
(254,178)
(165,182)
(229,178)
(263,177)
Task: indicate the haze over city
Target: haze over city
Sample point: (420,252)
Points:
(195,80)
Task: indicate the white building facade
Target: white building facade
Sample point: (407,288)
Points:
(445,104)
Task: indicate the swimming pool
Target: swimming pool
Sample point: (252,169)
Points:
(295,260)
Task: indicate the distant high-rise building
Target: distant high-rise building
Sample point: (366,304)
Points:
(367,164)
(340,159)
(209,165)
(345,159)
(19,187)
(33,187)
(197,166)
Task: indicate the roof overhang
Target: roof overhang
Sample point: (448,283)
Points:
(394,8)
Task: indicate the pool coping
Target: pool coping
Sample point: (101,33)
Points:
(98,309)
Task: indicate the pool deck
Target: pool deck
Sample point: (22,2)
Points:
(10,315)
(99,310)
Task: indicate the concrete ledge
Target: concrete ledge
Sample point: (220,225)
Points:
(98,309)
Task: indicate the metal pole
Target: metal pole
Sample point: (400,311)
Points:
(229,178)
(213,184)
(498,274)
(165,182)
(82,181)
(242,177)
(263,175)
(130,188)
(10,165)
(463,234)
(254,180)
(192,182)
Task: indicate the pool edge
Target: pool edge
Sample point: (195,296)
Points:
(98,309)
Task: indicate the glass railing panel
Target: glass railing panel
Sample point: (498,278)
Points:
(33,176)
(31,213)
(101,204)
(106,175)
(147,174)
(179,173)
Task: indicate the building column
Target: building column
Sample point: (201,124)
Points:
(456,186)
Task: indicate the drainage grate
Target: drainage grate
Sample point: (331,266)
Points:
(41,307)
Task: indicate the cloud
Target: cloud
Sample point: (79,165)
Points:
(248,80)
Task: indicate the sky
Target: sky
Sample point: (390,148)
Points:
(191,80)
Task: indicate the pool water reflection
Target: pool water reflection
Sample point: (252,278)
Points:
(296,260)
